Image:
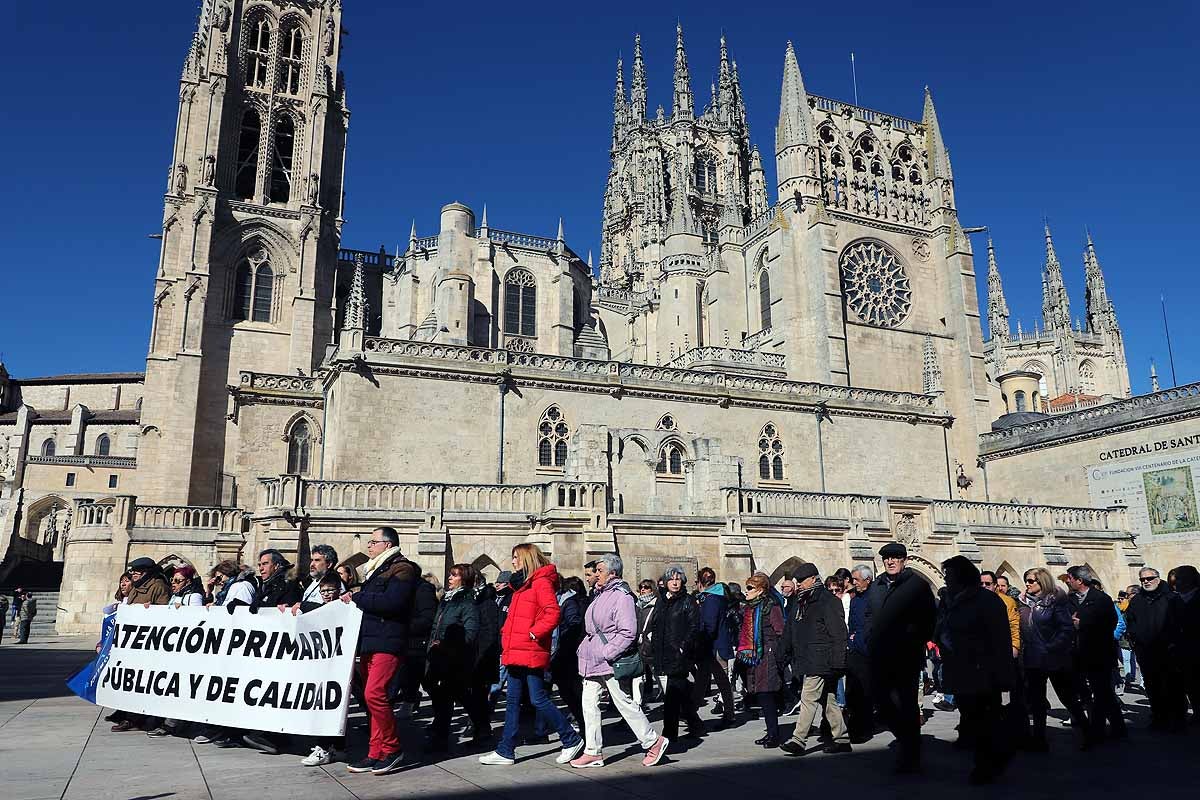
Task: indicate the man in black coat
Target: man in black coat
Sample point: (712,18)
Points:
(1187,654)
(407,682)
(814,641)
(902,614)
(1096,652)
(860,705)
(1152,623)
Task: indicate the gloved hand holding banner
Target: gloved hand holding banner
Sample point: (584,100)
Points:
(270,671)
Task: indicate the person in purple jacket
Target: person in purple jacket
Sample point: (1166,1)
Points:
(610,631)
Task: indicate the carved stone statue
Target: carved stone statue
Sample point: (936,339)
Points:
(314,189)
(180,178)
(327,37)
(221,20)
(210,170)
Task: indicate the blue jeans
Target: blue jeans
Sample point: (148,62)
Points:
(521,679)
(1130,663)
(840,695)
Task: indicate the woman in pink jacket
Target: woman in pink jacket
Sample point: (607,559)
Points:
(610,631)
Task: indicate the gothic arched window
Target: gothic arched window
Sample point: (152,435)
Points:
(670,459)
(246,178)
(553,435)
(764,298)
(291,55)
(520,303)
(103,445)
(264,280)
(281,160)
(48,447)
(299,449)
(1087,378)
(706,174)
(253,288)
(770,454)
(258,52)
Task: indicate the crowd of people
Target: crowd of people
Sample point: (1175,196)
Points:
(850,654)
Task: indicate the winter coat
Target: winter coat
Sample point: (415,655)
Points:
(534,609)
(487,641)
(1095,648)
(715,634)
(1013,615)
(420,623)
(676,626)
(570,629)
(902,615)
(386,600)
(1189,633)
(1152,623)
(975,643)
(765,676)
(645,623)
(612,614)
(814,636)
(28,609)
(152,589)
(859,624)
(1047,633)
(451,649)
(276,591)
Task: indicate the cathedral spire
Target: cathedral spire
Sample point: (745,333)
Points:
(620,105)
(412,237)
(794,115)
(684,106)
(726,98)
(354,314)
(939,157)
(1101,317)
(758,185)
(997,306)
(637,89)
(1153,377)
(1056,308)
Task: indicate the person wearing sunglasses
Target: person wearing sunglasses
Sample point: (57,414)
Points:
(1048,635)
(1152,624)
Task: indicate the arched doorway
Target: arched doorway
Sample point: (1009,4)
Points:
(786,569)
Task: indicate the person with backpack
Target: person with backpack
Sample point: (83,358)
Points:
(609,659)
(386,600)
(715,647)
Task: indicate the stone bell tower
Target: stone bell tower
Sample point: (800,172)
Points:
(251,224)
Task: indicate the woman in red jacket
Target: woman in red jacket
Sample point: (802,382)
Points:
(525,650)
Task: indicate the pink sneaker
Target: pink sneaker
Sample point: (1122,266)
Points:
(656,752)
(586,760)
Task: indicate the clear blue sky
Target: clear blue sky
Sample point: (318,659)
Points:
(1086,113)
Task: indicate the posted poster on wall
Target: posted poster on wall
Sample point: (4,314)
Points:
(270,671)
(1160,490)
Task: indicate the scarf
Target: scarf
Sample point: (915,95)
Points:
(517,579)
(450,595)
(373,564)
(751,645)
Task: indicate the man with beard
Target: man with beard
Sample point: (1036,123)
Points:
(322,560)
(1152,623)
(274,589)
(902,616)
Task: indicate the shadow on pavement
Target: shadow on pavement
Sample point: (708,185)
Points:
(31,671)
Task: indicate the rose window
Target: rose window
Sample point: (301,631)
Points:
(876,287)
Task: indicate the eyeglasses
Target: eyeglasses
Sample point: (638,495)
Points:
(177,580)
(376,541)
(1148,578)
(1030,581)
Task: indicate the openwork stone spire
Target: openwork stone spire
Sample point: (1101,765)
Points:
(931,372)
(997,305)
(1101,316)
(1056,307)
(684,105)
(637,90)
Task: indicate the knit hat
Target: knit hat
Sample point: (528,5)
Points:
(143,564)
(893,550)
(504,577)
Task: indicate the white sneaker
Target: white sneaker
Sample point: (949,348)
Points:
(568,753)
(496,760)
(319,757)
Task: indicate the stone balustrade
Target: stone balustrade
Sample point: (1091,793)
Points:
(212,518)
(93,515)
(730,358)
(811,505)
(1015,515)
(101,462)
(263,381)
(867,115)
(670,376)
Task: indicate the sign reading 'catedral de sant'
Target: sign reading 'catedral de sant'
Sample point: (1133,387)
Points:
(1156,480)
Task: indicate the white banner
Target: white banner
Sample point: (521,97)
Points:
(1161,491)
(269,671)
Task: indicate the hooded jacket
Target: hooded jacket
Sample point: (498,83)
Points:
(902,615)
(714,608)
(386,600)
(533,609)
(612,613)
(814,634)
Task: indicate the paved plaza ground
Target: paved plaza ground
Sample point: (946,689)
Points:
(54,745)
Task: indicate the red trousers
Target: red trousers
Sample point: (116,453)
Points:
(376,670)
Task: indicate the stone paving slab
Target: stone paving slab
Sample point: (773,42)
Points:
(61,748)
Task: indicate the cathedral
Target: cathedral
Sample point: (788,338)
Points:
(742,382)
